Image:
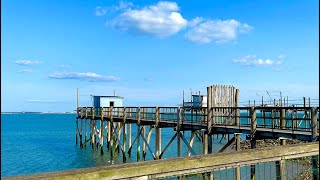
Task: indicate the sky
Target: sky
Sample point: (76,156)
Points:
(149,52)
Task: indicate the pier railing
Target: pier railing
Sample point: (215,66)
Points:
(284,118)
(218,166)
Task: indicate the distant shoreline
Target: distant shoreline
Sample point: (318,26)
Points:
(38,112)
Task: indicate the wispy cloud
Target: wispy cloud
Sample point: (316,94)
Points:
(87,76)
(148,79)
(25,71)
(162,19)
(43,101)
(101,11)
(215,30)
(254,61)
(27,62)
(64,66)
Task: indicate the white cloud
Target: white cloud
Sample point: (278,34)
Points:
(27,62)
(216,30)
(25,71)
(252,60)
(88,76)
(161,19)
(123,5)
(195,21)
(281,56)
(101,11)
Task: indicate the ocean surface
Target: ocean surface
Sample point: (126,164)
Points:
(36,143)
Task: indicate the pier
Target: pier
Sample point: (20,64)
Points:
(222,116)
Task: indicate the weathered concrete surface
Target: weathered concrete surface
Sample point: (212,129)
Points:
(183,165)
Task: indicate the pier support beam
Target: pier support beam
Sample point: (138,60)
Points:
(207,136)
(281,165)
(138,143)
(237,138)
(101,131)
(144,150)
(130,134)
(138,135)
(158,134)
(253,140)
(111,134)
(77,131)
(315,135)
(124,134)
(178,132)
(158,142)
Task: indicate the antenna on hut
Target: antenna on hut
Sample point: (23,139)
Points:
(182,97)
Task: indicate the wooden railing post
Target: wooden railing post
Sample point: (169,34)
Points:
(138,115)
(93,112)
(282,118)
(237,109)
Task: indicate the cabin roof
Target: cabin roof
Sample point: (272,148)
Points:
(119,97)
(200,95)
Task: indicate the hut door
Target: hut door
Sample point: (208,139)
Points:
(111,103)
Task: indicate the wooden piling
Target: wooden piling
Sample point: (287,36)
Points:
(144,150)
(158,134)
(138,142)
(253,138)
(191,141)
(237,139)
(77,131)
(130,134)
(111,132)
(315,134)
(119,136)
(281,165)
(207,142)
(124,135)
(101,131)
(178,132)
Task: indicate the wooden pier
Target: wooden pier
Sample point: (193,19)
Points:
(222,116)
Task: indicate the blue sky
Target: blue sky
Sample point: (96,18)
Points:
(150,51)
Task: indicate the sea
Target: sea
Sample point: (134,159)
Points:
(38,143)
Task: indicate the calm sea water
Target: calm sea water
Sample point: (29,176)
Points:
(36,143)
